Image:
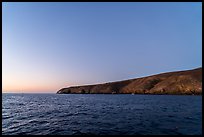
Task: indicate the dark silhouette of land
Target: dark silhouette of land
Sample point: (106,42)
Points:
(179,82)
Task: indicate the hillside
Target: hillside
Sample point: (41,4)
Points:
(179,82)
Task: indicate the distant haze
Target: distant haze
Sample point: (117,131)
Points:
(48,46)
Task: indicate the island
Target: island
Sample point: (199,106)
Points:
(187,82)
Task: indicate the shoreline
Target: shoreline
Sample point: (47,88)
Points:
(102,94)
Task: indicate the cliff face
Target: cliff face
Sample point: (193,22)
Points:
(180,82)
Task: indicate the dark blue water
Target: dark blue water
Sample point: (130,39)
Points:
(98,114)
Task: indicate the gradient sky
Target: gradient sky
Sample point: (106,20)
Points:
(47,46)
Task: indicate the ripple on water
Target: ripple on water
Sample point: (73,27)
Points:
(101,114)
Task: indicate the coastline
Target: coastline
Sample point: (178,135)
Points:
(188,82)
(129,94)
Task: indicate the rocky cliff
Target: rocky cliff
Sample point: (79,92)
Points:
(180,82)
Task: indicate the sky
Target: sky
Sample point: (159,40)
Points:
(48,46)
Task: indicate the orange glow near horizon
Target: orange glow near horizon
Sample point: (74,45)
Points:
(30,89)
(23,86)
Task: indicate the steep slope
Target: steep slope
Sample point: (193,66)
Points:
(180,82)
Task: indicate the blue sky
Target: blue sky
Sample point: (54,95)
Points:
(47,46)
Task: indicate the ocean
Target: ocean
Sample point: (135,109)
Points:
(101,114)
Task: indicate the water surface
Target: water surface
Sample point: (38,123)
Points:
(98,114)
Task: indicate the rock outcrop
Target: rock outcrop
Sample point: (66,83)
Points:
(180,82)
